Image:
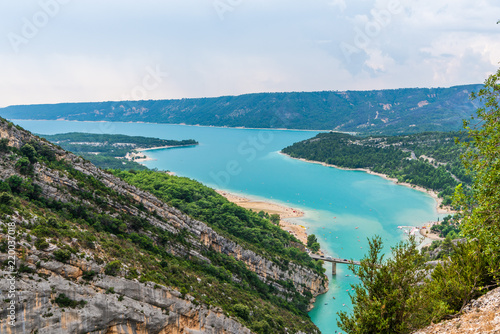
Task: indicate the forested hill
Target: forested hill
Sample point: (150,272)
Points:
(113,151)
(430,160)
(410,110)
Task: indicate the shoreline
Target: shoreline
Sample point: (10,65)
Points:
(183,124)
(429,192)
(298,231)
(144,157)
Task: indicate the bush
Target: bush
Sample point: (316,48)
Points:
(24,166)
(112,268)
(62,255)
(6,198)
(242,311)
(41,244)
(63,301)
(88,275)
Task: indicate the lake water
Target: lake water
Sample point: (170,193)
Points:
(247,162)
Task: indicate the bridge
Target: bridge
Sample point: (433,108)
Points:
(333,261)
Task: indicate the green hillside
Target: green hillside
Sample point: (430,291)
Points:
(77,227)
(430,159)
(409,110)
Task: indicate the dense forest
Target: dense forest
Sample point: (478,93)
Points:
(430,159)
(110,150)
(408,110)
(91,221)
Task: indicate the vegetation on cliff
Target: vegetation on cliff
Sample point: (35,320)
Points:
(68,211)
(247,228)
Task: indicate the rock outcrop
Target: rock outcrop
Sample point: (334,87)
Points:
(111,305)
(481,316)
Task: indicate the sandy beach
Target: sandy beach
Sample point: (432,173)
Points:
(433,194)
(271,208)
(140,156)
(284,212)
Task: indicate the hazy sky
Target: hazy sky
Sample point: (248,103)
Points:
(89,50)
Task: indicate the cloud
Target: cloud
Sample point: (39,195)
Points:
(93,50)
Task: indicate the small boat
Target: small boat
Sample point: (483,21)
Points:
(326,303)
(357,227)
(333,297)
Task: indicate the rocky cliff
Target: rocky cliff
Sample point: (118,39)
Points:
(481,316)
(112,303)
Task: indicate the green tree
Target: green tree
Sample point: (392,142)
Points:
(29,152)
(4,145)
(461,277)
(24,166)
(481,210)
(311,239)
(315,247)
(275,218)
(242,311)
(388,299)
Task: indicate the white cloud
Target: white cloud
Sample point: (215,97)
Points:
(93,50)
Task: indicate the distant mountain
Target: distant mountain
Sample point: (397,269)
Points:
(408,110)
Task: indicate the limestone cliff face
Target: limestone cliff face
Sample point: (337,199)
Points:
(131,307)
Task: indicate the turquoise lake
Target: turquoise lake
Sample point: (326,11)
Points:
(343,208)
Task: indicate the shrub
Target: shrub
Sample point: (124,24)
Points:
(63,301)
(113,267)
(5,198)
(242,311)
(62,255)
(88,275)
(41,244)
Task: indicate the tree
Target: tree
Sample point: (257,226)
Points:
(29,152)
(388,299)
(311,239)
(275,218)
(315,247)
(4,145)
(480,213)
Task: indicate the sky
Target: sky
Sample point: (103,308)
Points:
(55,51)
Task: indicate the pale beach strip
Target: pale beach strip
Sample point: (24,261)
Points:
(284,212)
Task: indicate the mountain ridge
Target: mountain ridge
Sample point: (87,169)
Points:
(405,110)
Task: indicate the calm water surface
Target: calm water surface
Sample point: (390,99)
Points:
(342,208)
